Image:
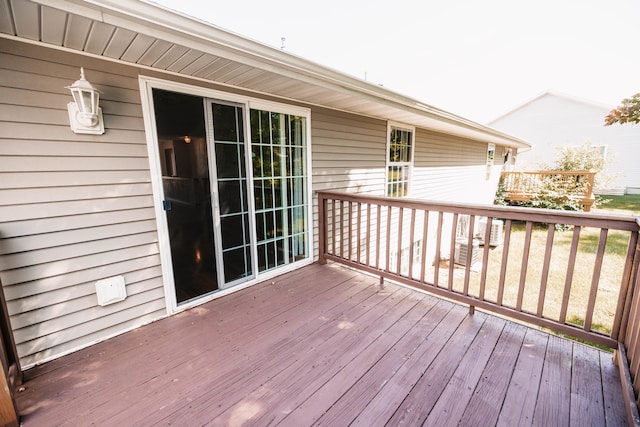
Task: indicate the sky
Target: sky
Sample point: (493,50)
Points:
(476,59)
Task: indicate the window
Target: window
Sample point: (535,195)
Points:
(491,153)
(602,149)
(399,160)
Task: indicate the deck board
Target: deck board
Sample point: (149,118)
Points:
(586,394)
(386,402)
(554,398)
(325,345)
(456,396)
(485,405)
(614,409)
(264,349)
(380,358)
(328,351)
(423,396)
(355,390)
(520,401)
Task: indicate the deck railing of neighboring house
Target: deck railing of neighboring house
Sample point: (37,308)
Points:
(577,185)
(435,247)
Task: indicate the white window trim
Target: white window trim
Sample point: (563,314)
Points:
(491,158)
(146,85)
(412,129)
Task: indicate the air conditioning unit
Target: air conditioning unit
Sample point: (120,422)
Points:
(495,238)
(462,249)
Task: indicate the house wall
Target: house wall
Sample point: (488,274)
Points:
(453,170)
(349,154)
(75,209)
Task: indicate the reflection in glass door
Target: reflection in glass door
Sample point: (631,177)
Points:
(182,146)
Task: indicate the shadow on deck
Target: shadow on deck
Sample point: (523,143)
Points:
(325,345)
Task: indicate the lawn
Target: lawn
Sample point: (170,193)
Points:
(610,276)
(627,205)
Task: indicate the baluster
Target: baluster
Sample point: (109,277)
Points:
(425,236)
(452,249)
(595,279)
(545,269)
(436,273)
(505,258)
(524,265)
(411,237)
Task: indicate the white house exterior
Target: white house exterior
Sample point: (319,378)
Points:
(552,120)
(203,181)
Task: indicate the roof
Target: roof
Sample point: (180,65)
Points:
(551,94)
(150,36)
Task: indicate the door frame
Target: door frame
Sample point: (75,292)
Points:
(147,84)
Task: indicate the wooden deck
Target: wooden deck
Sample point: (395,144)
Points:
(325,345)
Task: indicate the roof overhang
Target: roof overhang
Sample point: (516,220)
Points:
(150,36)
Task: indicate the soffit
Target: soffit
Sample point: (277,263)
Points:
(147,35)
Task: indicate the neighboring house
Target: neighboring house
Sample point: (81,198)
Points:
(552,120)
(203,181)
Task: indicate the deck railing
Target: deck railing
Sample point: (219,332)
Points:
(574,273)
(577,185)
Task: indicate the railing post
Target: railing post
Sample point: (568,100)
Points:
(626,331)
(322,228)
(10,365)
(627,290)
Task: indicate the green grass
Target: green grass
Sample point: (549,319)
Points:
(610,276)
(628,204)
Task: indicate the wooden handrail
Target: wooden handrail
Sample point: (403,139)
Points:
(418,243)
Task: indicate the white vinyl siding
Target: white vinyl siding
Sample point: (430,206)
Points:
(448,168)
(74,209)
(349,152)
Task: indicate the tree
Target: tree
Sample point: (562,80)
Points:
(558,191)
(627,112)
(584,157)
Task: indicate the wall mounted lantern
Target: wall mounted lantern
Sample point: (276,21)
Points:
(85,115)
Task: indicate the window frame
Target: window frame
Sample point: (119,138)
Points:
(409,164)
(491,156)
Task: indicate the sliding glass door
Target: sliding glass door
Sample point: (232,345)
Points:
(235,190)
(186,196)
